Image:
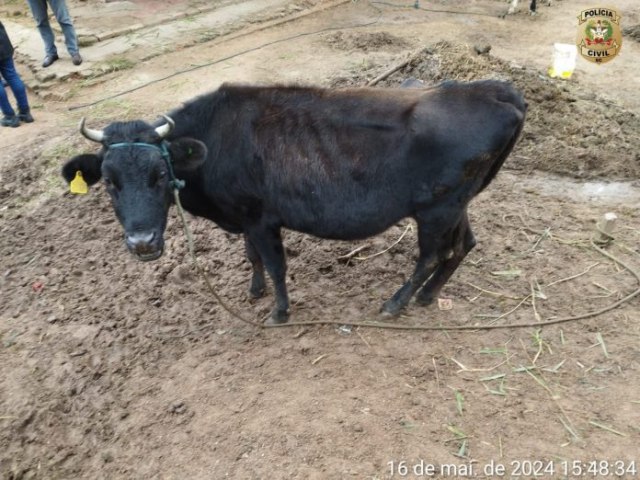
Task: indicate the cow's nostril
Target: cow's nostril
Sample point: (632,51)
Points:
(140,241)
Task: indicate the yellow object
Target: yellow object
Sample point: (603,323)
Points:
(564,60)
(78,185)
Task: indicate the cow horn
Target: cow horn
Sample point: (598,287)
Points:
(164,130)
(90,134)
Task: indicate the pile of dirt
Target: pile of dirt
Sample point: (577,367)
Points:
(365,42)
(633,32)
(569,130)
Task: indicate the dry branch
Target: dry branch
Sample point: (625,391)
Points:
(394,69)
(562,280)
(409,227)
(353,252)
(495,294)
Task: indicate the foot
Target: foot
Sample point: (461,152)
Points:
(257,288)
(256,292)
(425,298)
(13,121)
(391,308)
(49,59)
(25,117)
(76,59)
(277,317)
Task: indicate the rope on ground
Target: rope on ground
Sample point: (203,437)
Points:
(416,6)
(196,264)
(399,326)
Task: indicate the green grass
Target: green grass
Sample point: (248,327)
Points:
(460,440)
(108,111)
(59,152)
(459,402)
(115,64)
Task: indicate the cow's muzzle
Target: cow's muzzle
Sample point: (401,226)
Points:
(146,246)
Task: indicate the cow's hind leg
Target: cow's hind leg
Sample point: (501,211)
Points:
(268,244)
(462,243)
(427,262)
(256,290)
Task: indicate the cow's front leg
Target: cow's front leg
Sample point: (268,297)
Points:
(256,290)
(268,245)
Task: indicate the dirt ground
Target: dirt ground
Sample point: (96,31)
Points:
(112,368)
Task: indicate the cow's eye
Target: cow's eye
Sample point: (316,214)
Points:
(160,176)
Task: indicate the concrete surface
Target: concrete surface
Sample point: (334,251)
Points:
(115,35)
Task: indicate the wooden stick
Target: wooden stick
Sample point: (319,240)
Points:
(393,70)
(409,227)
(353,252)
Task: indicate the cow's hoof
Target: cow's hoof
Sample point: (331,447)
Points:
(277,317)
(390,308)
(425,299)
(256,292)
(257,287)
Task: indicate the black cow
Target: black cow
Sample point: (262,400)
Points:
(341,164)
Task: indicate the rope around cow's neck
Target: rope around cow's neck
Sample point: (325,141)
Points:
(399,326)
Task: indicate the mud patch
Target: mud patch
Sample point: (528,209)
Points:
(364,42)
(569,130)
(106,360)
(633,32)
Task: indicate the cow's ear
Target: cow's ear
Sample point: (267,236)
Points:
(88,164)
(187,153)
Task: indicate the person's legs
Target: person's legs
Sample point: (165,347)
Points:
(10,118)
(39,11)
(59,8)
(5,105)
(9,73)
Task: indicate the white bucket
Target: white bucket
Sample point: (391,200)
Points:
(564,60)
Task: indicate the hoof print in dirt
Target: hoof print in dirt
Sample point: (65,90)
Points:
(178,408)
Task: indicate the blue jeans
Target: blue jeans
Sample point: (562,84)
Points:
(59,8)
(9,73)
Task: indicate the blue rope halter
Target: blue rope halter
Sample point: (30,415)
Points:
(164,151)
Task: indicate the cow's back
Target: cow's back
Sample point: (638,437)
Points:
(349,163)
(335,161)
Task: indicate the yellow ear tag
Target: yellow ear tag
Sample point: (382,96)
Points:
(78,185)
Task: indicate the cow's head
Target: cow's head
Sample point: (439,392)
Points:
(137,163)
